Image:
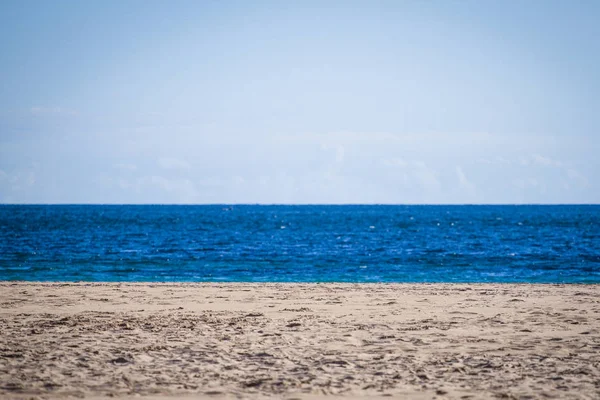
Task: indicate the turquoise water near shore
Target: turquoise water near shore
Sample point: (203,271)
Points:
(298,243)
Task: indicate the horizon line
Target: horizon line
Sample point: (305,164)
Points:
(299,204)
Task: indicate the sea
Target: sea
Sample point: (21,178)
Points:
(301,243)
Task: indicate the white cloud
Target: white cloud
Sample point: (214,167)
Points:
(151,189)
(414,173)
(18,181)
(412,140)
(395,162)
(336,166)
(545,161)
(427,178)
(173,163)
(578,178)
(463,182)
(537,159)
(175,190)
(528,160)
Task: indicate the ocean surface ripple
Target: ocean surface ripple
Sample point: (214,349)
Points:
(252,243)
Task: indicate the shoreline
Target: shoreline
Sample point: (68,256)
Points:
(299,340)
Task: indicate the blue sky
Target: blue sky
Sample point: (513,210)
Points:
(299,102)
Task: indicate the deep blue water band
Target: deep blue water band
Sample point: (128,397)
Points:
(550,244)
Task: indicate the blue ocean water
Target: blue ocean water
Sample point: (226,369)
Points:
(300,243)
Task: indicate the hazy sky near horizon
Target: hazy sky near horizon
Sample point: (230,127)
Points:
(299,101)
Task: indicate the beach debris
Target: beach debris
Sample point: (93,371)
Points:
(121,361)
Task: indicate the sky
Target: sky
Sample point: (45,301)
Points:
(396,102)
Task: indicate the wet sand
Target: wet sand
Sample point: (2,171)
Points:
(302,341)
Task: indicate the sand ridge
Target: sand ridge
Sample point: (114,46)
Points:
(454,341)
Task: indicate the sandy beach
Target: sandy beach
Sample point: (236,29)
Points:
(300,341)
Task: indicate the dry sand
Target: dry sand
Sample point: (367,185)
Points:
(299,340)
